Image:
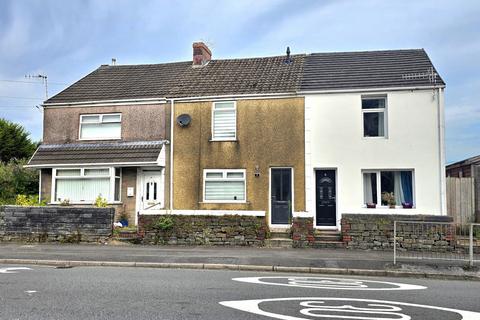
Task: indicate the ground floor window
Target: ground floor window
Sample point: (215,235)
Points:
(84,185)
(224,185)
(388,187)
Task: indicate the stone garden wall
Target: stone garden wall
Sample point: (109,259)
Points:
(203,230)
(375,231)
(55,223)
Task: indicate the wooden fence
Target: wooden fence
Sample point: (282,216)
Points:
(461,199)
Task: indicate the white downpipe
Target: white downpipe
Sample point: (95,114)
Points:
(172,109)
(39,186)
(441,152)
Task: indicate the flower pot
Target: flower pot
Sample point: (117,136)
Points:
(407,205)
(391,206)
(371,205)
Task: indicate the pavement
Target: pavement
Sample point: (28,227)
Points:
(325,261)
(32,292)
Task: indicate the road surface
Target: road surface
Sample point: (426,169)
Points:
(36,292)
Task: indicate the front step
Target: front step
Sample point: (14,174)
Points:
(279,239)
(328,239)
(280,235)
(328,245)
(278,243)
(328,236)
(130,236)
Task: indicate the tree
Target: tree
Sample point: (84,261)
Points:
(15,179)
(14,142)
(15,150)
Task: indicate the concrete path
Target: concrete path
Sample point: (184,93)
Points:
(323,258)
(340,261)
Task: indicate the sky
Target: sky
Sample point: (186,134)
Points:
(66,40)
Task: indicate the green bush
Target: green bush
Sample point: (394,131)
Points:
(164,223)
(100,202)
(29,201)
(15,179)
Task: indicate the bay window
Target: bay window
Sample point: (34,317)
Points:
(84,185)
(100,126)
(399,183)
(224,185)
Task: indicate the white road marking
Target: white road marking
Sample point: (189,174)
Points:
(13,269)
(30,291)
(318,308)
(331,283)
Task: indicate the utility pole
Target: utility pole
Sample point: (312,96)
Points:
(44,79)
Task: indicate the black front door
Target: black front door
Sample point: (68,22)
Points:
(281,195)
(326,200)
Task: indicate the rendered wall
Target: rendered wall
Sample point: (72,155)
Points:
(334,139)
(270,133)
(139,122)
(46,184)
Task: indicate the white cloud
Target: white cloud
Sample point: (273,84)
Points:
(462,114)
(15,39)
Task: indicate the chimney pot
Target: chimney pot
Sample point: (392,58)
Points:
(201,54)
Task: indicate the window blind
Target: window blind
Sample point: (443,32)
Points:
(224,121)
(225,190)
(82,189)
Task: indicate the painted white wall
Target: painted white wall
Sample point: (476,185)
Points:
(334,139)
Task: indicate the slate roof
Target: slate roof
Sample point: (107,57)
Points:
(267,75)
(179,79)
(366,69)
(86,153)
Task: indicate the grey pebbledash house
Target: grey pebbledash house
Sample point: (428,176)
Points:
(277,138)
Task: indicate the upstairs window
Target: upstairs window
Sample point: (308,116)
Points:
(373,110)
(224,121)
(224,185)
(100,126)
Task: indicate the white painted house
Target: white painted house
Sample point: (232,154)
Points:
(374,123)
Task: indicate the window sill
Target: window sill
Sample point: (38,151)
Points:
(83,203)
(387,207)
(223,140)
(224,202)
(95,139)
(375,138)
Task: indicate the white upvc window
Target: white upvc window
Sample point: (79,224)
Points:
(100,126)
(398,184)
(224,185)
(374,116)
(224,121)
(84,185)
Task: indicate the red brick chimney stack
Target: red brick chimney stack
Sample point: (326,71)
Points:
(201,54)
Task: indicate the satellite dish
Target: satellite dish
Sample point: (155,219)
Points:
(184,120)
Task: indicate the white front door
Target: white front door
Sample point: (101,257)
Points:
(152,190)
